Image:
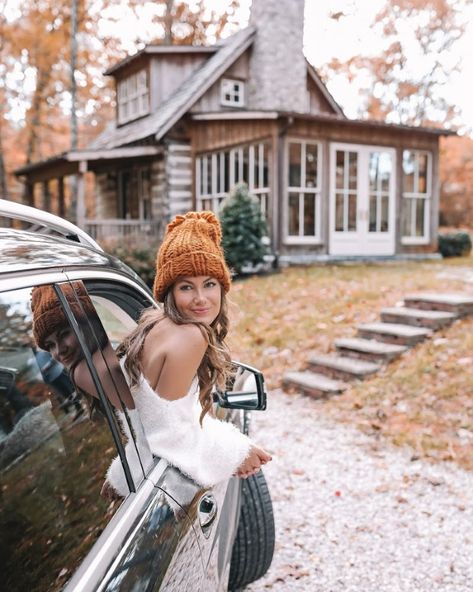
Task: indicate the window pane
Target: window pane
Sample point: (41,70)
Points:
(408,168)
(352,170)
(420,216)
(422,174)
(236,166)
(309,215)
(352,212)
(54,455)
(295,164)
(385,170)
(208,189)
(384,226)
(311,165)
(227,171)
(265,165)
(339,201)
(294,214)
(340,170)
(372,214)
(246,165)
(373,171)
(407,212)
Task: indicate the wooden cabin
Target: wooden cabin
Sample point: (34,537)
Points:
(191,122)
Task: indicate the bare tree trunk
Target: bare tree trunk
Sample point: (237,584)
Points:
(168,20)
(3,172)
(73,206)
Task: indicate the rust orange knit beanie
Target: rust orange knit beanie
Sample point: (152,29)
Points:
(48,315)
(191,247)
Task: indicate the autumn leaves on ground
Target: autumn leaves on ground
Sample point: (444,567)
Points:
(424,399)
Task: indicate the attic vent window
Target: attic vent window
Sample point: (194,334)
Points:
(232,93)
(133,97)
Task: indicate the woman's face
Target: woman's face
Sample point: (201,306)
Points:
(198,298)
(64,347)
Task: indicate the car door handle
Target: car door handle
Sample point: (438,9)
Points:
(207,511)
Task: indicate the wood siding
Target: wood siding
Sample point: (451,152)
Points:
(207,136)
(168,72)
(317,102)
(210,101)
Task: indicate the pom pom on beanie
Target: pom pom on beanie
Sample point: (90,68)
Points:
(191,247)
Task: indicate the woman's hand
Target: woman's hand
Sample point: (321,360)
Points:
(253,462)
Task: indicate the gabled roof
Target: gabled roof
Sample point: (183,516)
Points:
(323,89)
(161,121)
(162,50)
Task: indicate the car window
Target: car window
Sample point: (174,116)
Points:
(55,447)
(110,374)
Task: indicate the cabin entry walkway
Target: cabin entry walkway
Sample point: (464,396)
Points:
(400,328)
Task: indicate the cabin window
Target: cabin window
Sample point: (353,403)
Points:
(303,191)
(232,93)
(416,193)
(133,97)
(217,173)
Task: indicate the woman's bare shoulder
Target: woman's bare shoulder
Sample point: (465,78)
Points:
(167,333)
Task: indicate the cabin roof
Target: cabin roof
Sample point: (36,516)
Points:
(159,122)
(162,50)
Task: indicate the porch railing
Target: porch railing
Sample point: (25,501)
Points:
(118,228)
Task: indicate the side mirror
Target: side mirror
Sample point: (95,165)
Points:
(246,392)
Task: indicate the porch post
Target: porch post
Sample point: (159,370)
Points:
(81,194)
(46,205)
(60,192)
(28,193)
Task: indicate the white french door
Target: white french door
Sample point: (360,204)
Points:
(362,200)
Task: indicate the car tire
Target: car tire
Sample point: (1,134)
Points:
(254,543)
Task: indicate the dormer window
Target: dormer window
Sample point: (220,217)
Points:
(232,93)
(133,97)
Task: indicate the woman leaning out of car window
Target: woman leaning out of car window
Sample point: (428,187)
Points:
(175,357)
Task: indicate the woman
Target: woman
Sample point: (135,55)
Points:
(175,358)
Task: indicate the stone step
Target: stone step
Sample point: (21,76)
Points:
(430,319)
(342,368)
(460,304)
(313,385)
(369,349)
(393,333)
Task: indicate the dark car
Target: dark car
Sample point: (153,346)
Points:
(58,530)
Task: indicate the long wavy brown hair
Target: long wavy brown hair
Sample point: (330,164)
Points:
(215,367)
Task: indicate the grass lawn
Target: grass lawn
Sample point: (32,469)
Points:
(424,399)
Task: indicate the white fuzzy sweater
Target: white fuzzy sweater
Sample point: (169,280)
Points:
(171,430)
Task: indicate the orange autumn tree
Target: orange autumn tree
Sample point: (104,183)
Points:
(39,41)
(404,81)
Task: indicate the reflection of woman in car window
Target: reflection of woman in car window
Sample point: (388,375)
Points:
(52,333)
(175,358)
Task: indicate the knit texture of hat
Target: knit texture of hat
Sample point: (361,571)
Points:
(191,247)
(48,314)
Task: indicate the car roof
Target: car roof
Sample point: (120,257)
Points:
(22,251)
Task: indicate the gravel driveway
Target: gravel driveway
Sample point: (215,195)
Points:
(355,514)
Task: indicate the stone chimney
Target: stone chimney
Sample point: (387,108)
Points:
(278,71)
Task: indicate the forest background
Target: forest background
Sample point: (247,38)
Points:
(400,79)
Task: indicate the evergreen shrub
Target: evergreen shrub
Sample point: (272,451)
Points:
(455,244)
(244,230)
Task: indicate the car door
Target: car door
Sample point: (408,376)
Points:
(213,512)
(161,551)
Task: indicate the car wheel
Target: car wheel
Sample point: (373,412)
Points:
(254,543)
